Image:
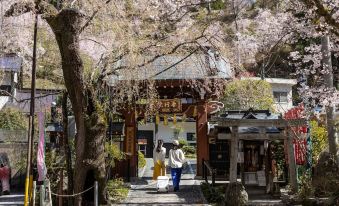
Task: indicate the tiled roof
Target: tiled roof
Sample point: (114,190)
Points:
(260,114)
(178,67)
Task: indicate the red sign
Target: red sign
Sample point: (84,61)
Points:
(296,113)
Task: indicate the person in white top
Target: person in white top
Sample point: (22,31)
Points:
(159,154)
(175,161)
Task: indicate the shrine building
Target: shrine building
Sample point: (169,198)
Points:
(187,87)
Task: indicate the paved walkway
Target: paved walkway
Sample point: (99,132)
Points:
(143,190)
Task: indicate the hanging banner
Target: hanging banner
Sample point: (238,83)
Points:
(309,150)
(42,170)
(300,148)
(157,119)
(130,137)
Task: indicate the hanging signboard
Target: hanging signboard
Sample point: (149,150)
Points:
(169,105)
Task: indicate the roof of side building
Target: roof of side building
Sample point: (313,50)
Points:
(10,62)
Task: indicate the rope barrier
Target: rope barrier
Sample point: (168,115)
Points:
(73,195)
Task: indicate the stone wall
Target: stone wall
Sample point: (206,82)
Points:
(7,136)
(13,151)
(15,154)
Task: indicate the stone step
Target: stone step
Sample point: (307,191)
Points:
(265,203)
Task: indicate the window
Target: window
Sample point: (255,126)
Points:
(336,106)
(190,136)
(143,149)
(6,88)
(280,96)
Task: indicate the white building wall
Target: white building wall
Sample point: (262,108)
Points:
(280,85)
(166,132)
(3,101)
(282,107)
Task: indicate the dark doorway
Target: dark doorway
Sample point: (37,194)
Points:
(145,142)
(220,157)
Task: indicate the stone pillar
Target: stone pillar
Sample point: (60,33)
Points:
(130,142)
(202,140)
(292,170)
(234,155)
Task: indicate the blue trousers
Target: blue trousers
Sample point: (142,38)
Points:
(176,175)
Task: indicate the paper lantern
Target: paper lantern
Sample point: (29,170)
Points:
(174,119)
(157,119)
(165,120)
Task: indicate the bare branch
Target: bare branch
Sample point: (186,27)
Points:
(95,41)
(323,12)
(92,16)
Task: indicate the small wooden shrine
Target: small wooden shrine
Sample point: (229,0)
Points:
(246,139)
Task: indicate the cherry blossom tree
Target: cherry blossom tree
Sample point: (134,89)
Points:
(110,32)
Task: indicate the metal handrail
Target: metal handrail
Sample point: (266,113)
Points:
(212,171)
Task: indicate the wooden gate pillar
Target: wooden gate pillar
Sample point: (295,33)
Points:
(130,142)
(292,169)
(202,140)
(234,155)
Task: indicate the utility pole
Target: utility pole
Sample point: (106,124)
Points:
(29,173)
(328,81)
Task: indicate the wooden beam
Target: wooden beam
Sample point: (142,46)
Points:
(202,139)
(223,122)
(234,155)
(291,163)
(273,136)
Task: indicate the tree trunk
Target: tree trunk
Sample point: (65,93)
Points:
(90,122)
(328,80)
(67,149)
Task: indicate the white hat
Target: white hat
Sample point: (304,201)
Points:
(176,142)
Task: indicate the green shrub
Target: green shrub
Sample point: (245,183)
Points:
(182,142)
(116,190)
(246,94)
(213,194)
(319,140)
(188,150)
(306,189)
(113,153)
(12,119)
(141,160)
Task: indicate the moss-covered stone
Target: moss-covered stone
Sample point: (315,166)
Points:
(236,195)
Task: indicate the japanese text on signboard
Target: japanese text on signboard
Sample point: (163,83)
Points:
(130,140)
(170,105)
